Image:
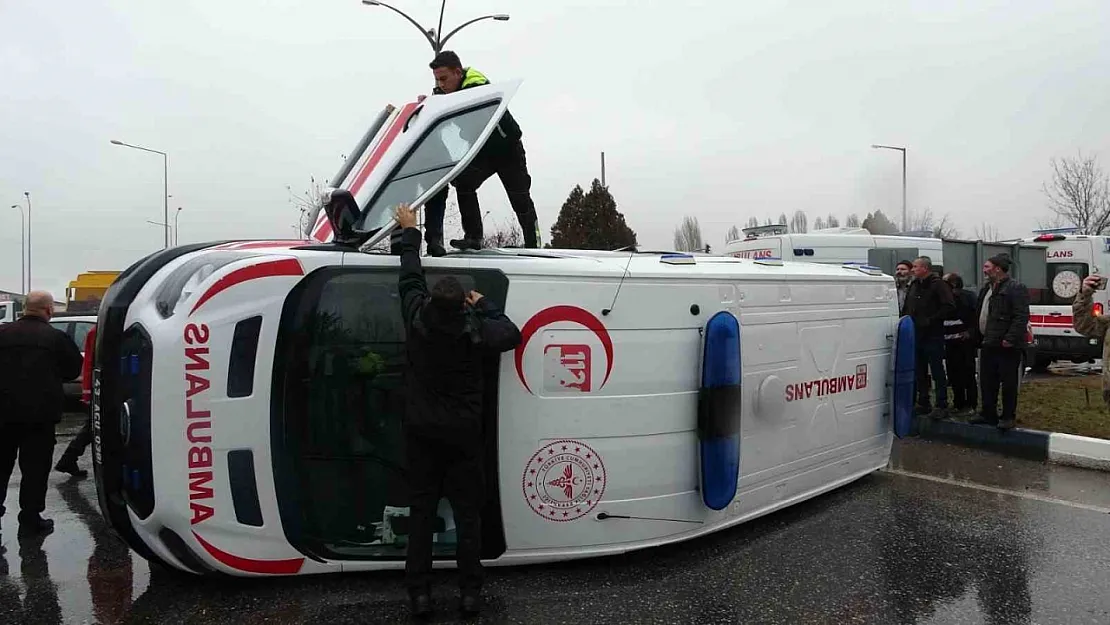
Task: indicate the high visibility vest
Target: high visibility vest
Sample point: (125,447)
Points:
(473,78)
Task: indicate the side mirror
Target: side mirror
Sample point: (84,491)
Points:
(343,213)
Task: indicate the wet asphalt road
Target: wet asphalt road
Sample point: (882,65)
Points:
(947,535)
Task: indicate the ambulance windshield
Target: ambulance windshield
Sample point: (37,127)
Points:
(447,143)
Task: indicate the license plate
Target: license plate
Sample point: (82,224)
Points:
(96,416)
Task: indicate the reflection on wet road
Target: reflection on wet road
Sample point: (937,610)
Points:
(948,535)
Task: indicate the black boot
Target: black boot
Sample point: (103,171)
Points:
(68,464)
(466,244)
(470,604)
(420,605)
(436,249)
(35,525)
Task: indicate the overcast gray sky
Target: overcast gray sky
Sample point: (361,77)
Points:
(720,110)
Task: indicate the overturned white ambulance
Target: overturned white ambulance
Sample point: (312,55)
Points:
(247,396)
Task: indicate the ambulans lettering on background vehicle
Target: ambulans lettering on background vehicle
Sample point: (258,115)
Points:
(1071,257)
(248,396)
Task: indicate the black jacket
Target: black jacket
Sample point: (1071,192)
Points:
(445,353)
(35,360)
(929,302)
(1007,315)
(508,131)
(964,320)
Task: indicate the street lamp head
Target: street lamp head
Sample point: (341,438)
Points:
(371,3)
(876,146)
(501,17)
(115,142)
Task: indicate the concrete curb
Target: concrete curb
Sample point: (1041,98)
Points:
(1065,449)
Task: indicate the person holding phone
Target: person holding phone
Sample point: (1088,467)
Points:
(1003,316)
(448,334)
(1086,323)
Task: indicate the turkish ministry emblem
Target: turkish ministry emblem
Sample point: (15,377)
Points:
(564,480)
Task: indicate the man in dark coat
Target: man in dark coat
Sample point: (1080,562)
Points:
(929,302)
(35,361)
(449,334)
(959,348)
(503,154)
(1002,317)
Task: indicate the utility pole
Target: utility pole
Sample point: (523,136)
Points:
(27,194)
(603,170)
(905,226)
(22,250)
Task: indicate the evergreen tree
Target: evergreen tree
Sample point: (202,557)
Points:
(878,223)
(590,221)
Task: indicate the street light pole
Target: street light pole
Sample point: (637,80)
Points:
(22,250)
(175,216)
(165,187)
(27,194)
(905,227)
(438,41)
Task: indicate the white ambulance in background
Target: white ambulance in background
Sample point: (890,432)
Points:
(831,246)
(1071,258)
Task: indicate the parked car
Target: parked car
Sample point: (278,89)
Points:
(77,328)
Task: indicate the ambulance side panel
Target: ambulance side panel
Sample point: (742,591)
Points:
(815,357)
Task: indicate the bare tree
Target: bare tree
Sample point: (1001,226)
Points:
(782,220)
(819,223)
(769,222)
(941,228)
(852,221)
(306,203)
(799,223)
(733,234)
(987,232)
(506,235)
(832,222)
(687,237)
(752,222)
(1080,193)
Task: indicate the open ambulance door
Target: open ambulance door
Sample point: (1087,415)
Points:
(420,148)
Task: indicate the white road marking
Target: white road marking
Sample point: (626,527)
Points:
(999,491)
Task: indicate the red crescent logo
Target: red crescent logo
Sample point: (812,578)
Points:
(573,314)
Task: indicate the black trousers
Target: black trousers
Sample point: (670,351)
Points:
(449,464)
(511,166)
(33,444)
(76,447)
(999,367)
(930,360)
(959,359)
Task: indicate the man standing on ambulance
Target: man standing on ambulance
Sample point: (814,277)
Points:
(448,335)
(503,154)
(929,302)
(1002,319)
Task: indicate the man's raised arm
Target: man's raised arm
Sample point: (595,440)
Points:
(411,284)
